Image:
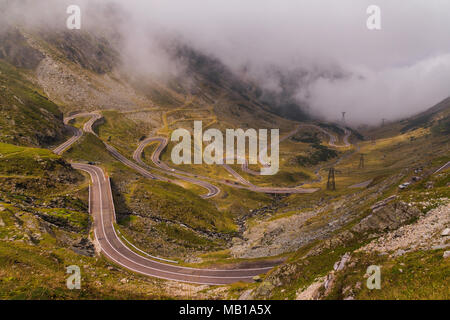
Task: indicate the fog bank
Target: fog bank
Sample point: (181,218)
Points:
(394,72)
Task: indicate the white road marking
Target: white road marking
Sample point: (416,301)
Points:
(94,169)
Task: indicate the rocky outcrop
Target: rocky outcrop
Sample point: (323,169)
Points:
(387,217)
(272,236)
(427,233)
(46,174)
(15,50)
(84,247)
(91,53)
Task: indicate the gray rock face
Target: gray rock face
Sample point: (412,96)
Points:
(339,265)
(388,217)
(90,52)
(84,247)
(246,295)
(399,253)
(15,49)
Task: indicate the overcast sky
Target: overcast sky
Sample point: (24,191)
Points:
(394,72)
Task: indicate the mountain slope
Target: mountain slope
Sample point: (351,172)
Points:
(44,220)
(27,117)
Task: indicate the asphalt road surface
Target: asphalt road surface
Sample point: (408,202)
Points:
(162,144)
(212,190)
(112,247)
(168,170)
(102,209)
(77,133)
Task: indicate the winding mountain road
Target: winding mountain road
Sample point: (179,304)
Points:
(163,168)
(104,216)
(212,190)
(332,142)
(162,144)
(77,134)
(112,247)
(88,127)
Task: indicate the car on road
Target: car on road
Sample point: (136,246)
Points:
(404,185)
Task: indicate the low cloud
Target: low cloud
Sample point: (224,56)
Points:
(369,96)
(323,45)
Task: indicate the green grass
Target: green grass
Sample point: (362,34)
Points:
(319,154)
(419,275)
(15,160)
(89,148)
(164,239)
(240,201)
(169,201)
(79,221)
(34,172)
(188,237)
(309,269)
(121,132)
(27,117)
(419,122)
(79,122)
(39,273)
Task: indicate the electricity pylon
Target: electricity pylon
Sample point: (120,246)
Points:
(331,184)
(361,161)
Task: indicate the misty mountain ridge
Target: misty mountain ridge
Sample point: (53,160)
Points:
(76,105)
(282,61)
(50,53)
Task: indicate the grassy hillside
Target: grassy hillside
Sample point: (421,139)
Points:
(389,162)
(33,171)
(45,226)
(435,119)
(27,117)
(122,132)
(169,201)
